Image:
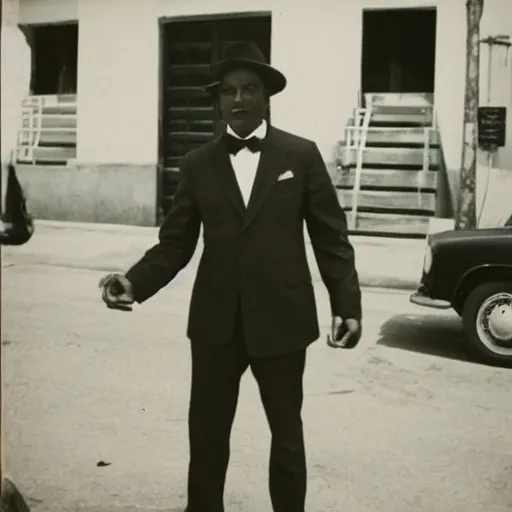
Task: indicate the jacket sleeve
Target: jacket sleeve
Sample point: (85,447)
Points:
(327,227)
(177,242)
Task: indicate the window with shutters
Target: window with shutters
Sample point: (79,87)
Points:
(189,116)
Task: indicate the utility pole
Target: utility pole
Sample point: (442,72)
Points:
(466,212)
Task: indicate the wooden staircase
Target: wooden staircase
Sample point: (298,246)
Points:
(47,135)
(387,166)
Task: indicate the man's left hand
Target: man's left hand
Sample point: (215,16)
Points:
(116,291)
(344,333)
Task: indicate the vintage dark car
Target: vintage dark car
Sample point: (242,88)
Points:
(471,272)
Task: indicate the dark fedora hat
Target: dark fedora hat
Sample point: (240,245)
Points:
(246,55)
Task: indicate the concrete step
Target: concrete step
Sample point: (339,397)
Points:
(398,114)
(397,136)
(387,224)
(50,100)
(57,137)
(61,109)
(385,200)
(54,155)
(386,179)
(56,122)
(412,157)
(413,99)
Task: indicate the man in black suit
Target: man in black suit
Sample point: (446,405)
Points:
(253,302)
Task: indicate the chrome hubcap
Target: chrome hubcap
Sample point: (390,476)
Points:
(494,323)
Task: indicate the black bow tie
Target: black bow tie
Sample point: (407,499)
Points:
(234,144)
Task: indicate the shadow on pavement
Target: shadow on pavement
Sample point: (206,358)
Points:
(441,336)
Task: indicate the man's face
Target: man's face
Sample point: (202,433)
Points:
(243,101)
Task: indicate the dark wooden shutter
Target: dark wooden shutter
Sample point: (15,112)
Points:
(190,116)
(189,112)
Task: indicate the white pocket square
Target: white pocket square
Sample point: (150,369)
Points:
(285,176)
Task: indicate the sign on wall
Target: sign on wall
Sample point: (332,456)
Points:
(491,126)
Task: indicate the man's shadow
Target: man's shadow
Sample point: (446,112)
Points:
(441,336)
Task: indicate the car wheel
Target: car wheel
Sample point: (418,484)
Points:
(487,318)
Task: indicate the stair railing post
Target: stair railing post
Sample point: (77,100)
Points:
(363,131)
(426,163)
(22,131)
(39,121)
(29,131)
(348,146)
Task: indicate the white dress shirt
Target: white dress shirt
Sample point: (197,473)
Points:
(245,163)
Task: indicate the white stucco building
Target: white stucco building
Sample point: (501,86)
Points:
(139,63)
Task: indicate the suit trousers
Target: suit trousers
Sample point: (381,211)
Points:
(216,375)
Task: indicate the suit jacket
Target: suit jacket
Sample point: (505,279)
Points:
(255,257)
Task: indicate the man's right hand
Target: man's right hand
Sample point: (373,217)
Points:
(117,291)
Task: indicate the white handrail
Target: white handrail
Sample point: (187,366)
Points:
(422,175)
(39,120)
(29,133)
(427,135)
(348,146)
(361,144)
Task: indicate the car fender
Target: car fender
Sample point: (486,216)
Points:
(477,275)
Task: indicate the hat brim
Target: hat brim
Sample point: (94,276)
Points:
(273,80)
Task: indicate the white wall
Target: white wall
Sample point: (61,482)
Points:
(47,11)
(117,82)
(317,46)
(316,43)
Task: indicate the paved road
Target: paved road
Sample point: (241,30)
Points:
(402,423)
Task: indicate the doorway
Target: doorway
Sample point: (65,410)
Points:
(398,50)
(188,115)
(54,58)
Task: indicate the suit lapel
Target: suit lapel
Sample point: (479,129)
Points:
(226,176)
(269,167)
